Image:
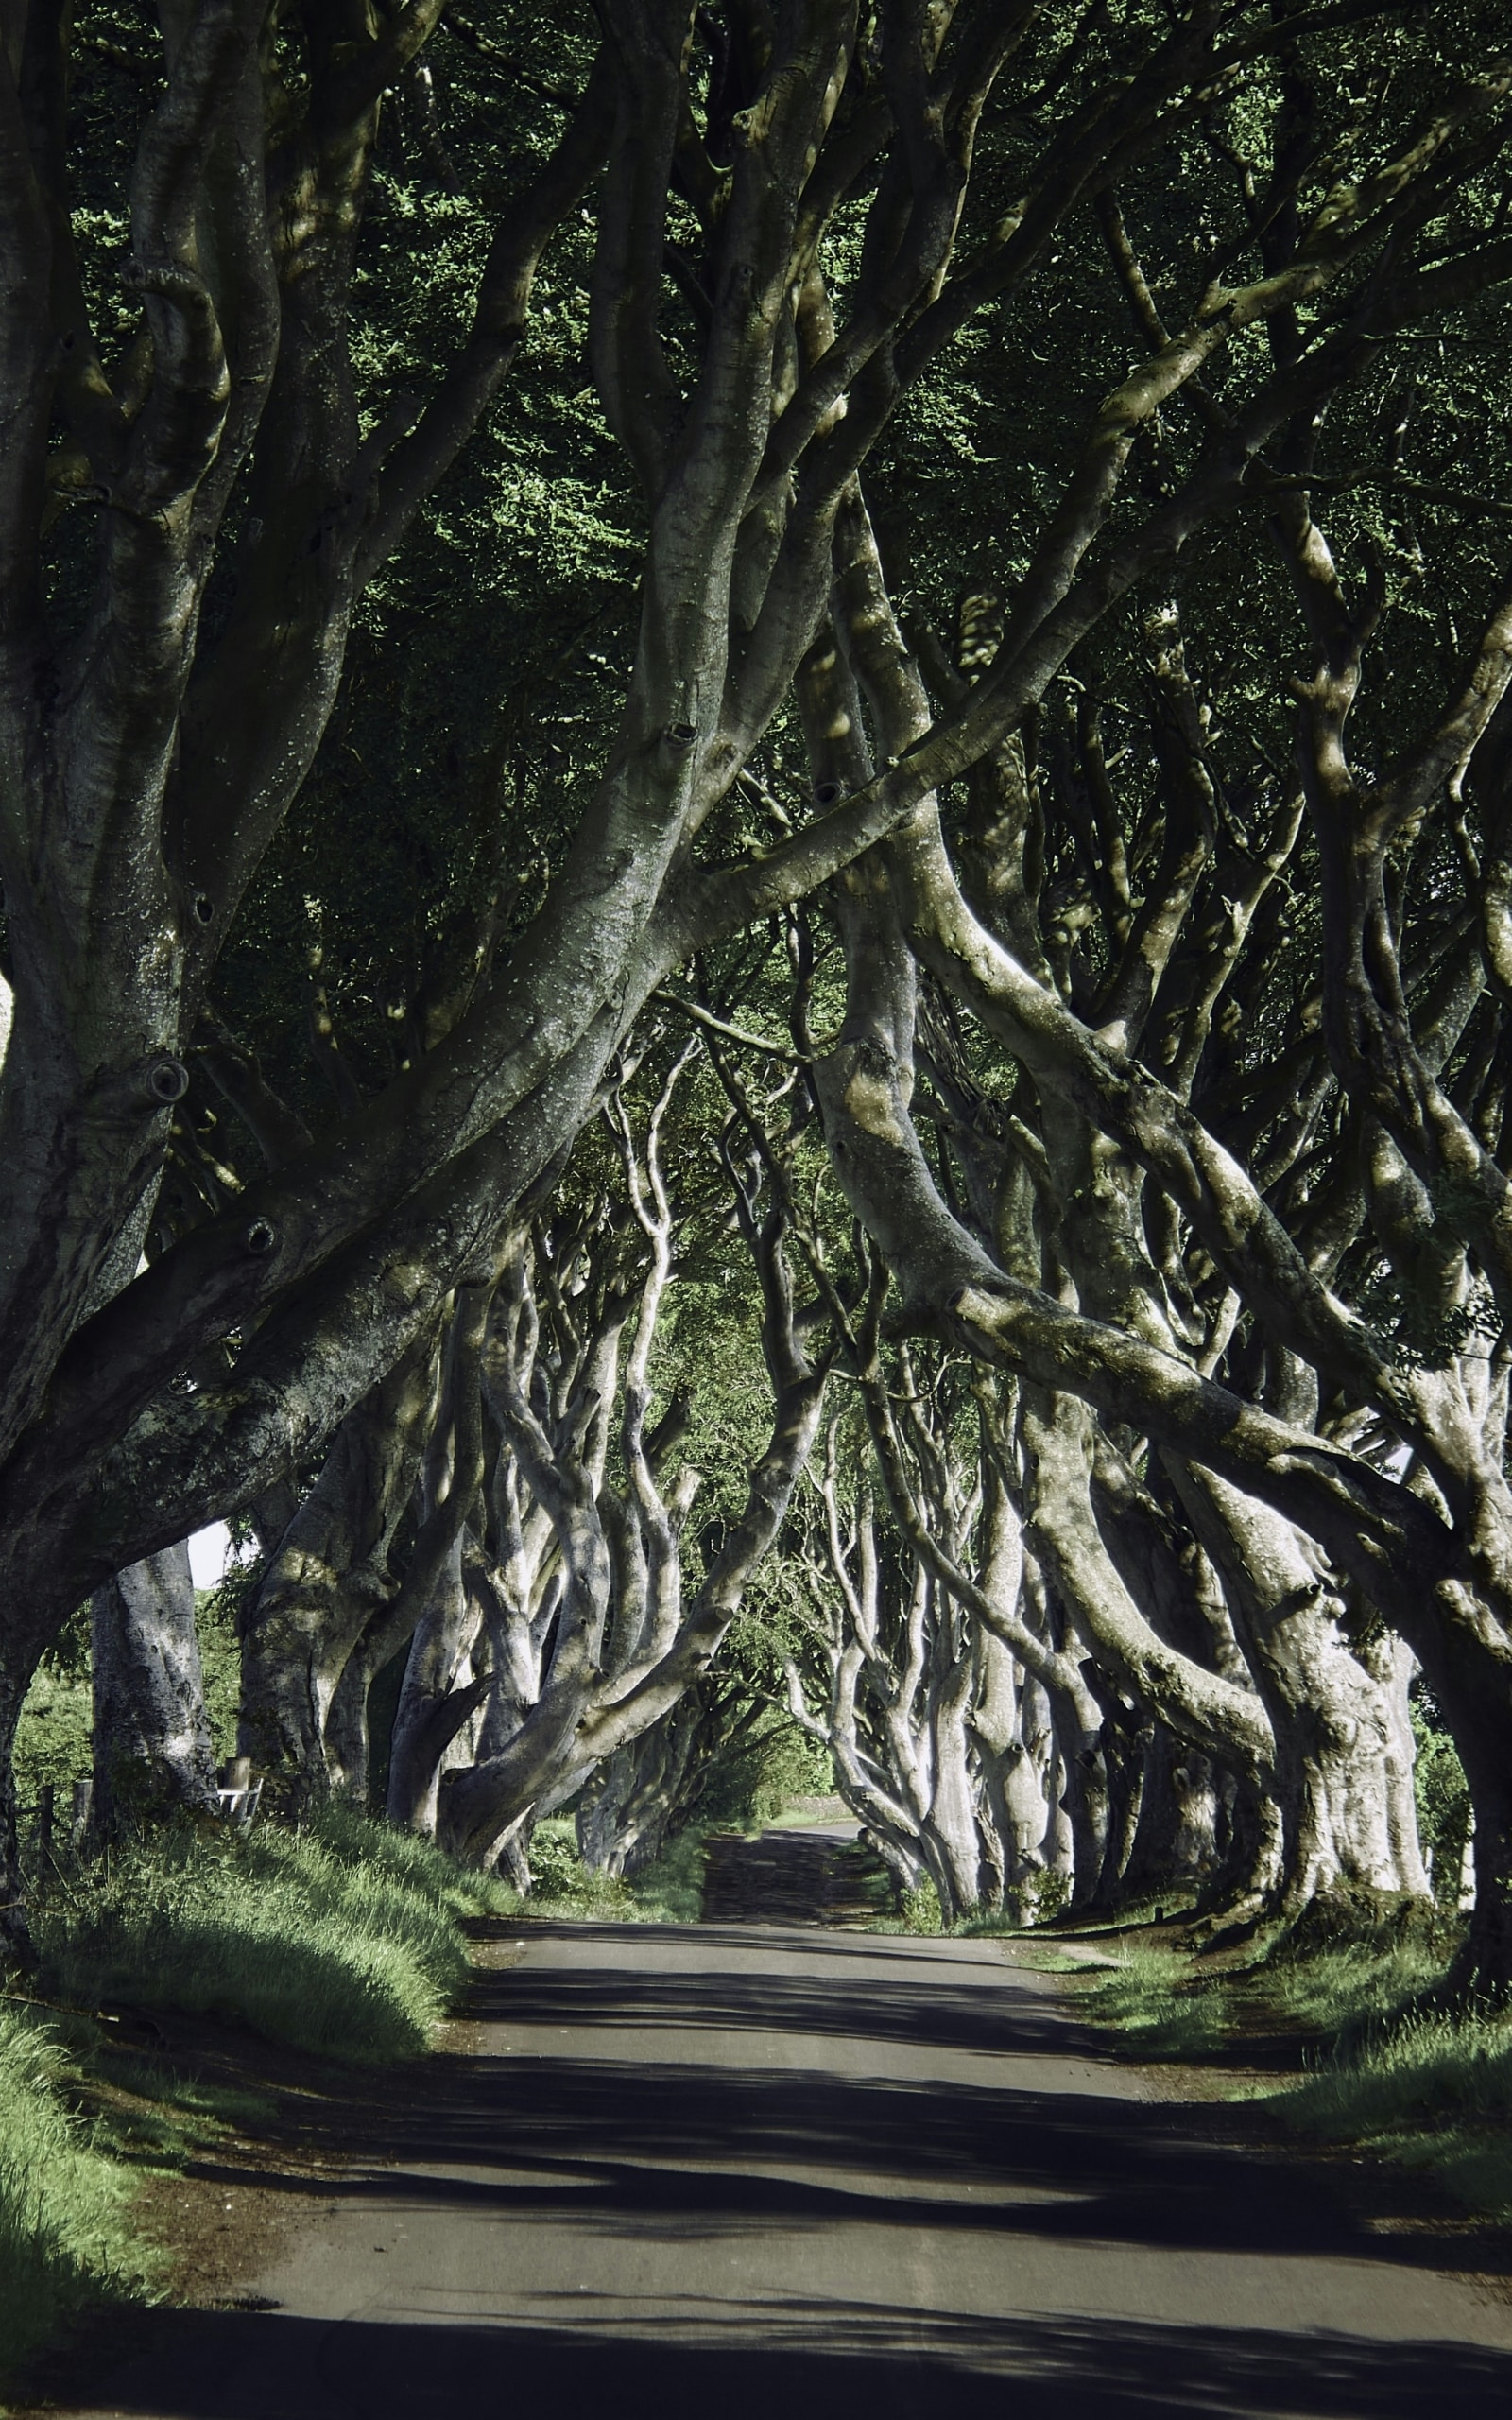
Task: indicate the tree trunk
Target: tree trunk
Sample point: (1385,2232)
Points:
(1337,1725)
(1084,1801)
(153,1755)
(440,1695)
(15,1937)
(952,1837)
(328,1574)
(1176,1846)
(1480,1723)
(1126,1743)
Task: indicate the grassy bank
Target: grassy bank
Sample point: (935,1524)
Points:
(345,1939)
(669,1892)
(1365,2057)
(66,2232)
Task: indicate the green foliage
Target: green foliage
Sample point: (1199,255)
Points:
(1443,1797)
(1035,1901)
(343,1939)
(64,2225)
(69,1655)
(560,1883)
(756,1770)
(671,1890)
(487,662)
(54,1742)
(1384,2065)
(919,1913)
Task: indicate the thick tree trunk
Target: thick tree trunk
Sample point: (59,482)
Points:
(441,1694)
(1480,1721)
(1176,1846)
(1011,1729)
(1246,1875)
(952,1842)
(1337,1778)
(16,1946)
(327,1578)
(1126,1743)
(1083,1800)
(153,1755)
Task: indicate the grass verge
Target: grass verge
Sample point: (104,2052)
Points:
(343,1939)
(1380,2065)
(66,2232)
(1429,2088)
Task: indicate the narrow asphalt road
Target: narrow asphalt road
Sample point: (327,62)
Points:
(742,2171)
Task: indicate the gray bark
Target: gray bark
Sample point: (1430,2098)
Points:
(153,1755)
(327,1578)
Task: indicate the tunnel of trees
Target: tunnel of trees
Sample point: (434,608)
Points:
(756,824)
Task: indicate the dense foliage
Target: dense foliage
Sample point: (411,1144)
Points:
(755,834)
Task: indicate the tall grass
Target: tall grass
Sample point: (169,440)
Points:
(65,2235)
(343,1939)
(1383,2067)
(1430,2086)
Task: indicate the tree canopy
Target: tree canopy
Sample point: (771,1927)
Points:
(754,815)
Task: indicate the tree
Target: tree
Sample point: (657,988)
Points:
(797,220)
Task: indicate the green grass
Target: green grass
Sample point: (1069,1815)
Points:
(1174,2007)
(1382,2067)
(1184,2005)
(1428,2088)
(345,1938)
(668,1892)
(342,1939)
(54,1742)
(65,2236)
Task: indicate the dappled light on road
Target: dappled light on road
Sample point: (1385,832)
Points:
(734,2165)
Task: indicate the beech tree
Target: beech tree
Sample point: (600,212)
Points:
(801,223)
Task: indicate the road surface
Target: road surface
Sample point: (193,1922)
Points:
(740,2171)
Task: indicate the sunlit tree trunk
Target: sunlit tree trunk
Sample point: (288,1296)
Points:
(153,1755)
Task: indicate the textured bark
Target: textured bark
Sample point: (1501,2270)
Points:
(164,744)
(329,1574)
(441,1689)
(15,1933)
(153,1755)
(441,1692)
(1175,1850)
(865,1085)
(736,580)
(1336,1778)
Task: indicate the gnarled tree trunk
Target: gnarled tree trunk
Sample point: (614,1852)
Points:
(153,1753)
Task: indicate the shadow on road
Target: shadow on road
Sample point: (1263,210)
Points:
(648,2130)
(625,2143)
(839,2358)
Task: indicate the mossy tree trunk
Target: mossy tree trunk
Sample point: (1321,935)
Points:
(153,1753)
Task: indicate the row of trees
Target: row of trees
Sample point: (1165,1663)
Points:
(1008,648)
